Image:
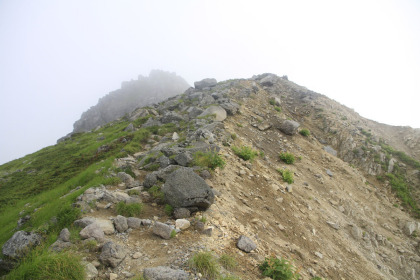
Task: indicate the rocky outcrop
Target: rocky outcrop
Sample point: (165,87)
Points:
(144,91)
(20,244)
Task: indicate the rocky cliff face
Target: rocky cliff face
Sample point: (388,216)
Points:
(144,91)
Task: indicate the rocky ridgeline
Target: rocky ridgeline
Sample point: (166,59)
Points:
(133,94)
(329,220)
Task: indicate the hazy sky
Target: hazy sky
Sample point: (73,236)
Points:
(57,58)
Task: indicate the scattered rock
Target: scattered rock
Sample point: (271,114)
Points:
(112,254)
(113,276)
(120,223)
(329,173)
(205,83)
(289,127)
(130,127)
(84,222)
(92,230)
(91,271)
(162,230)
(64,235)
(23,221)
(164,273)
(335,226)
(134,223)
(136,255)
(246,244)
(219,113)
(20,243)
(106,225)
(330,150)
(184,188)
(182,224)
(181,213)
(175,136)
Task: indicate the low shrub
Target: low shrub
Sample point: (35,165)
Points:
(156,192)
(168,209)
(305,132)
(210,160)
(129,209)
(206,264)
(278,109)
(133,192)
(287,158)
(245,152)
(287,175)
(279,269)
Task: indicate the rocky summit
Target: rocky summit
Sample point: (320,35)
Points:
(241,179)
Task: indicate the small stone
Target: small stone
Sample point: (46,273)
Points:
(289,188)
(113,276)
(182,213)
(136,255)
(199,226)
(162,230)
(335,226)
(182,224)
(91,271)
(208,231)
(246,244)
(64,235)
(329,173)
(120,223)
(319,255)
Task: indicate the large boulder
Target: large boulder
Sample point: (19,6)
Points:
(164,273)
(246,244)
(92,230)
(112,254)
(120,223)
(205,83)
(163,230)
(20,244)
(185,189)
(289,127)
(219,113)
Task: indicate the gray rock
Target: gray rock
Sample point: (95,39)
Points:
(112,254)
(162,230)
(205,174)
(134,223)
(409,228)
(289,127)
(184,159)
(84,222)
(126,178)
(184,188)
(194,112)
(335,226)
(329,173)
(356,232)
(219,113)
(171,117)
(181,213)
(164,273)
(151,122)
(391,164)
(91,271)
(269,80)
(330,150)
(182,224)
(120,223)
(23,221)
(150,180)
(231,107)
(246,244)
(205,83)
(20,243)
(175,136)
(64,235)
(106,225)
(59,245)
(94,231)
(130,127)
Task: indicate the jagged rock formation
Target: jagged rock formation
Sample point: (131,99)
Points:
(133,94)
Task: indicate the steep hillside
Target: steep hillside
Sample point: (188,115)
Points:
(133,94)
(218,183)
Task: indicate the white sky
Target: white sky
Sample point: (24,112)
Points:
(57,58)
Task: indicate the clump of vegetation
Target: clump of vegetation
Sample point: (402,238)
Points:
(245,152)
(169,210)
(210,160)
(279,269)
(402,190)
(206,264)
(233,136)
(288,158)
(156,192)
(229,277)
(173,233)
(305,132)
(287,175)
(129,209)
(228,262)
(133,192)
(272,102)
(278,109)
(42,264)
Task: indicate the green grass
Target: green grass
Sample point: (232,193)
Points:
(245,152)
(129,209)
(42,264)
(288,158)
(403,192)
(206,264)
(156,193)
(229,277)
(228,261)
(305,132)
(279,269)
(210,160)
(133,192)
(169,210)
(287,175)
(278,109)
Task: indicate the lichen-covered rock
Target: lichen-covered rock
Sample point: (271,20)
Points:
(289,127)
(20,243)
(112,254)
(184,189)
(164,273)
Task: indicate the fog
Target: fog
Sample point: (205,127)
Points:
(57,58)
